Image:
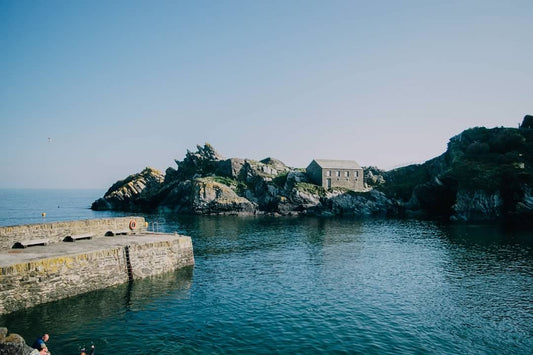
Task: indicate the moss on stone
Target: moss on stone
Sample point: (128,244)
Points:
(310,188)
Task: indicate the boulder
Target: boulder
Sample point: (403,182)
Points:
(305,195)
(366,204)
(265,170)
(276,164)
(373,176)
(230,167)
(135,192)
(294,177)
(13,344)
(211,197)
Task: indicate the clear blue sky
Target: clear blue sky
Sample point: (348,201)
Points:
(120,85)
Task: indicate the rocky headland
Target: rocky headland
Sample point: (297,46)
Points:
(484,175)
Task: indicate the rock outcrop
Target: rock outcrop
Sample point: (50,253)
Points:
(14,344)
(207,183)
(212,197)
(136,192)
(485,174)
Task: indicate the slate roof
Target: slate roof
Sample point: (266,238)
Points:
(337,164)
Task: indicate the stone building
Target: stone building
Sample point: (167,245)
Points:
(336,173)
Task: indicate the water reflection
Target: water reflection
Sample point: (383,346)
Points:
(488,235)
(97,306)
(489,281)
(228,234)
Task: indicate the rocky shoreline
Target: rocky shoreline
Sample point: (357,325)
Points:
(485,175)
(238,187)
(13,344)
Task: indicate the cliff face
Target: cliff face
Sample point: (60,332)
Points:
(485,174)
(136,192)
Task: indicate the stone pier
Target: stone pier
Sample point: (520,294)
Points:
(103,253)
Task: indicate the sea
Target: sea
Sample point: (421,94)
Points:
(297,285)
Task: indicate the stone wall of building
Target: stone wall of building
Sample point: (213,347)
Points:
(49,279)
(348,178)
(335,177)
(314,172)
(57,231)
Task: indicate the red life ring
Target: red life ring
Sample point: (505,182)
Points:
(133,225)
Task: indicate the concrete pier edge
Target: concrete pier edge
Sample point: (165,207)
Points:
(59,269)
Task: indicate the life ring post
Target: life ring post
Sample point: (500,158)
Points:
(133,224)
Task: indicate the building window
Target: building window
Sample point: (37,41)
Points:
(356,173)
(329,173)
(338,173)
(347,174)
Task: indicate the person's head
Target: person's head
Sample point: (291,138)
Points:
(43,351)
(45,337)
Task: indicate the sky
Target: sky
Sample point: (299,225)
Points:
(121,85)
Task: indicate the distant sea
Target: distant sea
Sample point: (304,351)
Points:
(298,285)
(23,206)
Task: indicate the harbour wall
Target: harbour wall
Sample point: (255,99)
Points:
(41,274)
(57,231)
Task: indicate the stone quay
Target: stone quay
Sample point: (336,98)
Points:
(46,262)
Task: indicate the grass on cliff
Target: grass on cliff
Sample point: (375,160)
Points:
(237,186)
(310,188)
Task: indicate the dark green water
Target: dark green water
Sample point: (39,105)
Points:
(266,285)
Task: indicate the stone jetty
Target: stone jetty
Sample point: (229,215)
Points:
(46,262)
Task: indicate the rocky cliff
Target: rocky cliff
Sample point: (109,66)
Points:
(136,192)
(204,182)
(485,174)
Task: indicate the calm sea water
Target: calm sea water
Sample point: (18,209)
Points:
(265,285)
(24,206)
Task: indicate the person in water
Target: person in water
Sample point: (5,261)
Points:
(84,352)
(40,343)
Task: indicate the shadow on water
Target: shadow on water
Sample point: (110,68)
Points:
(488,234)
(96,307)
(214,235)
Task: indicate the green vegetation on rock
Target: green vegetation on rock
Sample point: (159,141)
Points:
(484,174)
(491,162)
(310,188)
(238,186)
